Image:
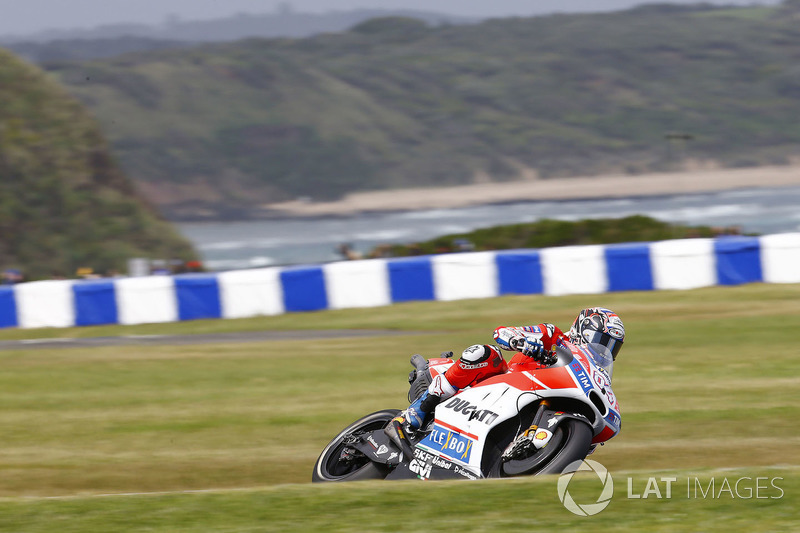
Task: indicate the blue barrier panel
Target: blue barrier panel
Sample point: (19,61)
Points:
(411,279)
(628,267)
(8,307)
(198,297)
(304,289)
(738,260)
(519,272)
(95,303)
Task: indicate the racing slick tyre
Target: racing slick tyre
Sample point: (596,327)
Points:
(340,462)
(570,442)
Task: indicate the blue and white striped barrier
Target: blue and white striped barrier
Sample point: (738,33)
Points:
(666,265)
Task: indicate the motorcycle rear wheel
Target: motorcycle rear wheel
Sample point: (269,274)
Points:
(329,465)
(570,442)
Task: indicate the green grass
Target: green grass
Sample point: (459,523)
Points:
(707,382)
(513,505)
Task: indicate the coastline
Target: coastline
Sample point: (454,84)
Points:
(575,188)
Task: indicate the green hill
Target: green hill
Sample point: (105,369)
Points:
(550,233)
(64,204)
(220,130)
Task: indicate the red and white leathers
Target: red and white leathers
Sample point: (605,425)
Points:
(482,361)
(529,342)
(535,347)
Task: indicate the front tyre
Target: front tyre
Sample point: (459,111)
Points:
(570,442)
(337,463)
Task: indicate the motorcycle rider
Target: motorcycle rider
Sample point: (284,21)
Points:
(594,325)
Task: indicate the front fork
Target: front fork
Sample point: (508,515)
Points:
(538,435)
(529,440)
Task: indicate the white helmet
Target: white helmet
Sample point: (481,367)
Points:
(600,329)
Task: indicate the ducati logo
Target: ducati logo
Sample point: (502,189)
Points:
(462,406)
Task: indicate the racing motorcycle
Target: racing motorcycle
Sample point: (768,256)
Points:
(528,421)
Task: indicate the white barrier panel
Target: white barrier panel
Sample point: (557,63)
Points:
(574,270)
(683,264)
(45,304)
(357,284)
(780,258)
(466,275)
(245,293)
(146,300)
(675,265)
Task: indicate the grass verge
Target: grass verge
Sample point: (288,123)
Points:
(707,382)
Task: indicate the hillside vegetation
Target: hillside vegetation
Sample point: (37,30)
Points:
(220,130)
(64,203)
(550,233)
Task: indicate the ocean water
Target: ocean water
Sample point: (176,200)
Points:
(236,245)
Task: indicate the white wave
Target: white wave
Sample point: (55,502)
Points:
(624,202)
(225,264)
(454,228)
(238,264)
(571,217)
(384,235)
(260,261)
(256,244)
(708,212)
(225,245)
(433,214)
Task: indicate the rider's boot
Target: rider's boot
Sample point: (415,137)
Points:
(408,422)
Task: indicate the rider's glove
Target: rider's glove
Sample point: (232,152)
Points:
(516,343)
(533,346)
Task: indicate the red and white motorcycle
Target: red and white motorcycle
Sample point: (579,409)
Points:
(528,421)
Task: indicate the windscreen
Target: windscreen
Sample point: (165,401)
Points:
(602,356)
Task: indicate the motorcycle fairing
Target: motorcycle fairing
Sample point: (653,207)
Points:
(425,465)
(463,422)
(378,448)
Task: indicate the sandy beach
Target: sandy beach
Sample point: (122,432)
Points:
(619,186)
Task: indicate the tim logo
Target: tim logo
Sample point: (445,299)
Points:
(580,374)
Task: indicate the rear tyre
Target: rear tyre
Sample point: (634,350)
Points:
(570,442)
(333,465)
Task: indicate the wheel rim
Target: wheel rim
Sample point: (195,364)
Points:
(333,466)
(515,467)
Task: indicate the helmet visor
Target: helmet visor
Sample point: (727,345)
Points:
(604,340)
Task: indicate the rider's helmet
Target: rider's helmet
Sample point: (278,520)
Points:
(601,330)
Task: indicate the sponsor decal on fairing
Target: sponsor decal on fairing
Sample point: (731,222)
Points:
(581,376)
(449,443)
(473,413)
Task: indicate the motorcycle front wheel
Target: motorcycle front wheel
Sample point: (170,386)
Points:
(338,463)
(570,442)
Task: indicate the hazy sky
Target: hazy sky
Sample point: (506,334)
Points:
(27,16)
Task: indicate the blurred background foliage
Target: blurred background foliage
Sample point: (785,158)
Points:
(64,203)
(220,130)
(550,233)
